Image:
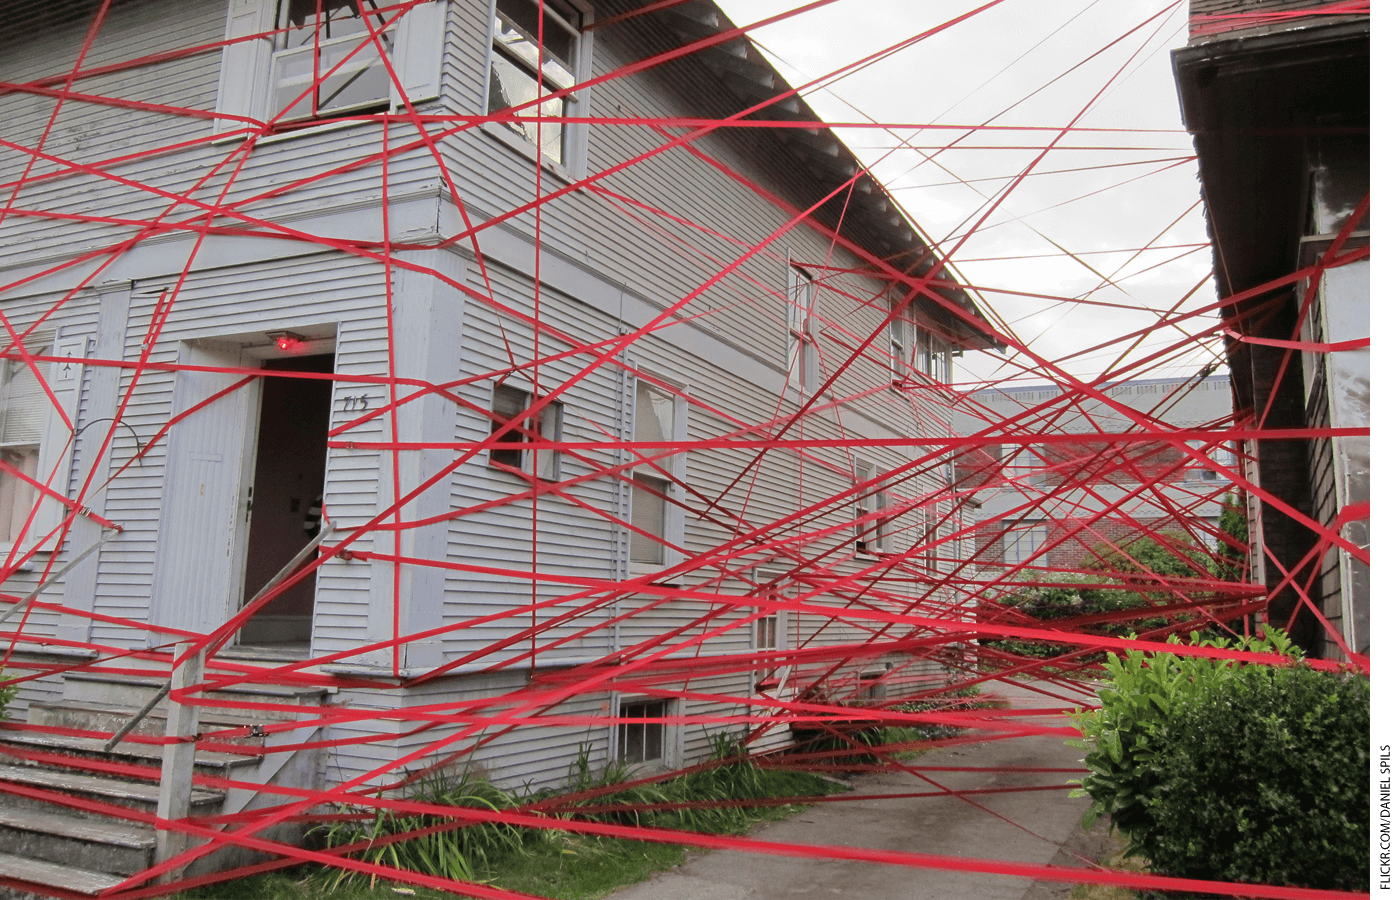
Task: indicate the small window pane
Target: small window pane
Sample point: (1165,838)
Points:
(506,404)
(16,495)
(640,741)
(649,517)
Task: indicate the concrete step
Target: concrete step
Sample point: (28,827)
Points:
(45,875)
(81,715)
(126,690)
(131,794)
(128,752)
(97,845)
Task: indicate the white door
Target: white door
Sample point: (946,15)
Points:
(202,536)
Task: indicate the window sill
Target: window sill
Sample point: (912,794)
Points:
(287,133)
(644,570)
(28,565)
(522,474)
(526,148)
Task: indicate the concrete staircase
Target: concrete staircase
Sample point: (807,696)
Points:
(50,847)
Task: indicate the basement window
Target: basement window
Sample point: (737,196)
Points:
(639,741)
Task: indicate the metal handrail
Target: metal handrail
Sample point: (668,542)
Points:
(29,598)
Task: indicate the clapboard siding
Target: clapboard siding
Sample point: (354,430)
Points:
(615,265)
(74,318)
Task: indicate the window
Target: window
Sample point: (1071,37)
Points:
(900,327)
(803,364)
(326,62)
(659,417)
(315,59)
(547,424)
(1222,460)
(912,346)
(932,535)
(639,741)
(872,535)
(23,405)
(1022,541)
(770,633)
(34,439)
(525,67)
(931,357)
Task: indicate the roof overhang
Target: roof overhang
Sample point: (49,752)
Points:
(866,214)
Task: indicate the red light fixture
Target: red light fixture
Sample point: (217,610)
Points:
(286,341)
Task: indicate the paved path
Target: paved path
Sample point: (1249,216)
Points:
(1039,824)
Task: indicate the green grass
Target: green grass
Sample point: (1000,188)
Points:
(545,862)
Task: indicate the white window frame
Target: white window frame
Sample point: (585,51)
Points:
(246,88)
(932,357)
(1026,539)
(901,347)
(56,439)
(666,735)
(548,423)
(770,633)
(575,140)
(670,477)
(872,538)
(803,327)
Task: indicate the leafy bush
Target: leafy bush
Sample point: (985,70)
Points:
(8,691)
(462,854)
(1174,554)
(1236,772)
(1062,595)
(1121,577)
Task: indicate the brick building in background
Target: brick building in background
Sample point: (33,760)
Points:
(1055,503)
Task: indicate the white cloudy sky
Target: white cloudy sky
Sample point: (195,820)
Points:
(1029,64)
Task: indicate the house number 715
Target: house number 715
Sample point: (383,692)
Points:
(352,404)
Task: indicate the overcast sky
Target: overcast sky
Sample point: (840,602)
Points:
(1029,64)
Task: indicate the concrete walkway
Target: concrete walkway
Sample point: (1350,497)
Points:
(1033,828)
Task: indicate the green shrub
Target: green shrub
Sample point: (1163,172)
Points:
(1174,554)
(8,691)
(1236,772)
(462,854)
(1062,595)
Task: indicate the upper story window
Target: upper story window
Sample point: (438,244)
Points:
(294,60)
(872,535)
(913,346)
(657,518)
(528,62)
(803,362)
(931,357)
(327,62)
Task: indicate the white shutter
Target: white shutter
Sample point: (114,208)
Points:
(418,51)
(247,65)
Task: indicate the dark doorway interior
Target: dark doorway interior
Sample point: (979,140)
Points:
(288,478)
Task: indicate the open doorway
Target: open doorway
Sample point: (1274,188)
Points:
(284,514)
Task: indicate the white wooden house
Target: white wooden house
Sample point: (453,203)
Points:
(248,218)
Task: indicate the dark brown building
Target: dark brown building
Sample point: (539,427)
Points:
(1276,95)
